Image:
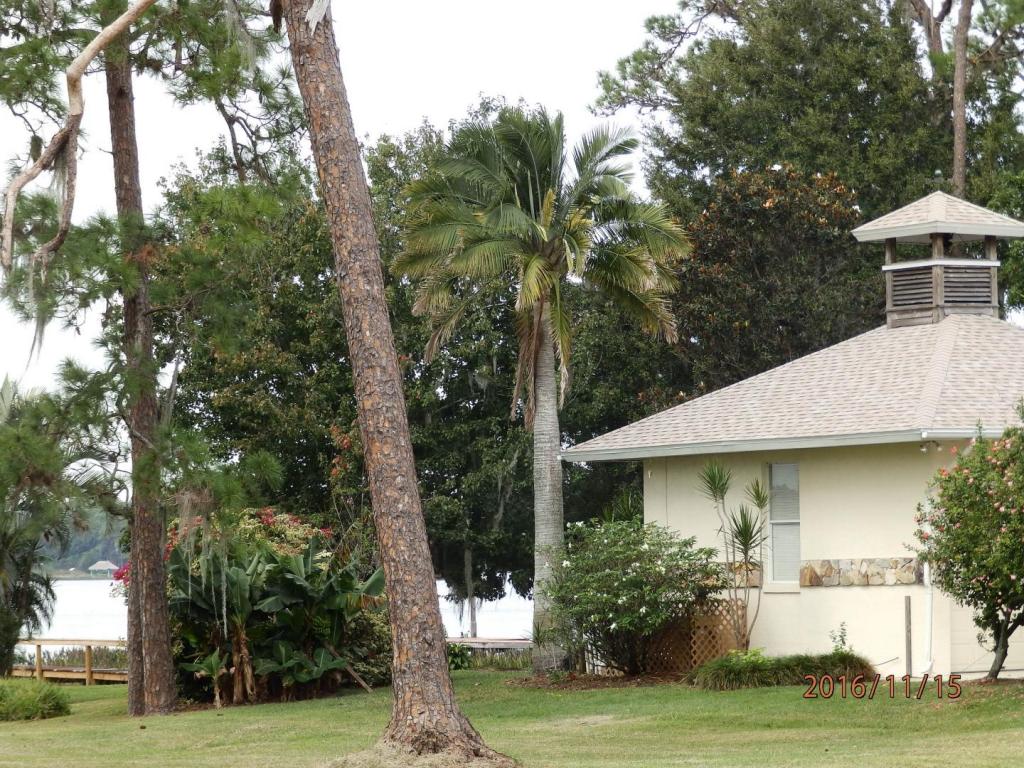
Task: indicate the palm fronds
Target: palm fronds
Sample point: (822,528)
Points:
(508,208)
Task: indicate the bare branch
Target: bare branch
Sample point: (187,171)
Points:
(64,143)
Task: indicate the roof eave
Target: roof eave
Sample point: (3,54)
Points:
(581,453)
(869,234)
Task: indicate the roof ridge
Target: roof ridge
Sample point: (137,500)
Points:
(938,370)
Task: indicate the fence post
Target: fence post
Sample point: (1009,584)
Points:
(88,665)
(39,661)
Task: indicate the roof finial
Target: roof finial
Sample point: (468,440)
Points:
(938,182)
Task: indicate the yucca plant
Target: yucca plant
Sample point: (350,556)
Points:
(744,533)
(509,215)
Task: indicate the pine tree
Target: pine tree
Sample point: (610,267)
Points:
(205,51)
(425,716)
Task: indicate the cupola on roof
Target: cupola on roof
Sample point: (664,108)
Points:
(939,213)
(925,290)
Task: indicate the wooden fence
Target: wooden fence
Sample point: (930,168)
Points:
(87,673)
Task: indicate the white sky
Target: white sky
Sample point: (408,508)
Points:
(403,61)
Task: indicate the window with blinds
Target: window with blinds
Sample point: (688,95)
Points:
(784,520)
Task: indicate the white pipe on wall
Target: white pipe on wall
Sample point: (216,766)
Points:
(929,604)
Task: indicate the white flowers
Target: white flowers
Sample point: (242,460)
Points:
(643,609)
(565,563)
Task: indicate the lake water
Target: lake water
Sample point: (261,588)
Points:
(89,610)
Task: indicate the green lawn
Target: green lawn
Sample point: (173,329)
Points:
(668,725)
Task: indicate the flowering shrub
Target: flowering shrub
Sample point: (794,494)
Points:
(972,535)
(616,585)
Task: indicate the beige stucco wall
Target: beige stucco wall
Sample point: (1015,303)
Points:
(855,502)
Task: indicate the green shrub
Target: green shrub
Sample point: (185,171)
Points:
(617,584)
(31,700)
(752,669)
(458,656)
(280,600)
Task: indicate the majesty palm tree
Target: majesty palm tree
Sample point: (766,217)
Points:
(506,205)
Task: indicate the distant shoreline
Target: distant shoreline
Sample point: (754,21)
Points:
(75,576)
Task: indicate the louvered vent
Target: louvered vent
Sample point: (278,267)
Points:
(967,285)
(912,287)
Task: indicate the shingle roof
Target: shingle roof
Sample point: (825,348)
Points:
(886,385)
(939,213)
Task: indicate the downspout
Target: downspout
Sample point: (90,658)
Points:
(929,604)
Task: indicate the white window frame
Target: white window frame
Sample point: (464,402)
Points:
(772,523)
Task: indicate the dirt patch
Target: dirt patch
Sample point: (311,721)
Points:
(382,756)
(574,682)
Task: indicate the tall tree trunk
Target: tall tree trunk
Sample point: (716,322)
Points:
(548,523)
(136,661)
(425,716)
(467,575)
(148,615)
(960,65)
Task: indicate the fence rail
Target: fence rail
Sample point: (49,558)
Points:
(88,673)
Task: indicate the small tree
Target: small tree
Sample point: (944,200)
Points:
(744,535)
(971,531)
(617,584)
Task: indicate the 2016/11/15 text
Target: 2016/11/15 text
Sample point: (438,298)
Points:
(861,687)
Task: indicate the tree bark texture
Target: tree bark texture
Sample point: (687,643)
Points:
(548,522)
(960,65)
(467,575)
(136,662)
(149,629)
(425,716)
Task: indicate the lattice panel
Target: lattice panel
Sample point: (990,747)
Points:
(679,648)
(684,647)
(712,634)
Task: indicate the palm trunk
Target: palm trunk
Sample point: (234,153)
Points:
(548,523)
(960,65)
(148,615)
(425,716)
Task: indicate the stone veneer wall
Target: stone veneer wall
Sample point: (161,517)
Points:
(871,571)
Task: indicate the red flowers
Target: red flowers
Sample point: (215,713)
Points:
(123,574)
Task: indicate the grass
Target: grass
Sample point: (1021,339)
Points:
(635,727)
